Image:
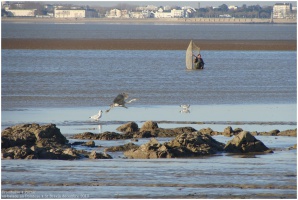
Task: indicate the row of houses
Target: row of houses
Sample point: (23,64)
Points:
(280,10)
(160,13)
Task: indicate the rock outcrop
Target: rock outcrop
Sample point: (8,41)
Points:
(95,155)
(184,145)
(129,127)
(245,142)
(124,147)
(32,141)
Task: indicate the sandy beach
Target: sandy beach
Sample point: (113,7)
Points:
(147,44)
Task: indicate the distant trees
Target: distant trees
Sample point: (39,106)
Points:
(254,11)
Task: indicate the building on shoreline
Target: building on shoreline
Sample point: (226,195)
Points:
(283,11)
(21,12)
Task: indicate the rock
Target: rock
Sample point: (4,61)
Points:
(228,132)
(30,134)
(103,136)
(124,147)
(293,147)
(237,131)
(86,136)
(207,131)
(128,127)
(288,133)
(110,136)
(184,145)
(89,144)
(148,126)
(270,133)
(32,141)
(143,134)
(245,142)
(94,155)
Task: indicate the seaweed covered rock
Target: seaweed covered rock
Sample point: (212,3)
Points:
(124,147)
(245,142)
(95,155)
(128,127)
(32,141)
(148,126)
(184,145)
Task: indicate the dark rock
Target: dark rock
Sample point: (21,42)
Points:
(207,131)
(77,143)
(128,127)
(228,131)
(144,134)
(110,136)
(237,131)
(30,134)
(86,136)
(293,147)
(270,133)
(148,126)
(89,144)
(32,141)
(124,147)
(244,142)
(95,155)
(184,145)
(288,133)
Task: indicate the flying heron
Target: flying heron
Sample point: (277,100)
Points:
(119,101)
(97,116)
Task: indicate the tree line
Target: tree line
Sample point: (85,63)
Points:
(254,11)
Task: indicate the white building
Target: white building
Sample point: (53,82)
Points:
(66,13)
(22,12)
(114,13)
(177,13)
(162,14)
(232,7)
(282,10)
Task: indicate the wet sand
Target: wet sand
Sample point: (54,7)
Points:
(140,44)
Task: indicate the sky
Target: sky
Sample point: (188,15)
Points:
(203,3)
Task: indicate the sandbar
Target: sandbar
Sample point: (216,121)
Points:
(146,44)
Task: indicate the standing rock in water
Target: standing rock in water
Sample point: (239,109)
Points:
(32,141)
(245,142)
(128,127)
(184,145)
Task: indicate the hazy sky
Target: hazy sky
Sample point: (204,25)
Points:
(203,3)
(181,3)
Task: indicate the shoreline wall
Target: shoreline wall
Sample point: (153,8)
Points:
(153,20)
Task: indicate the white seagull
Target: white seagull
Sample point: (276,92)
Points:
(119,101)
(97,116)
(185,108)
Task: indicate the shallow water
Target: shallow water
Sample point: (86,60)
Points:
(54,78)
(253,90)
(271,176)
(76,120)
(151,31)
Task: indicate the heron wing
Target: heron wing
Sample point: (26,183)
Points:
(119,99)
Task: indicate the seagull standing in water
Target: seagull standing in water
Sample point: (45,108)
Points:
(97,116)
(119,101)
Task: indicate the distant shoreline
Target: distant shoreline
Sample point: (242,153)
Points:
(153,20)
(147,44)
